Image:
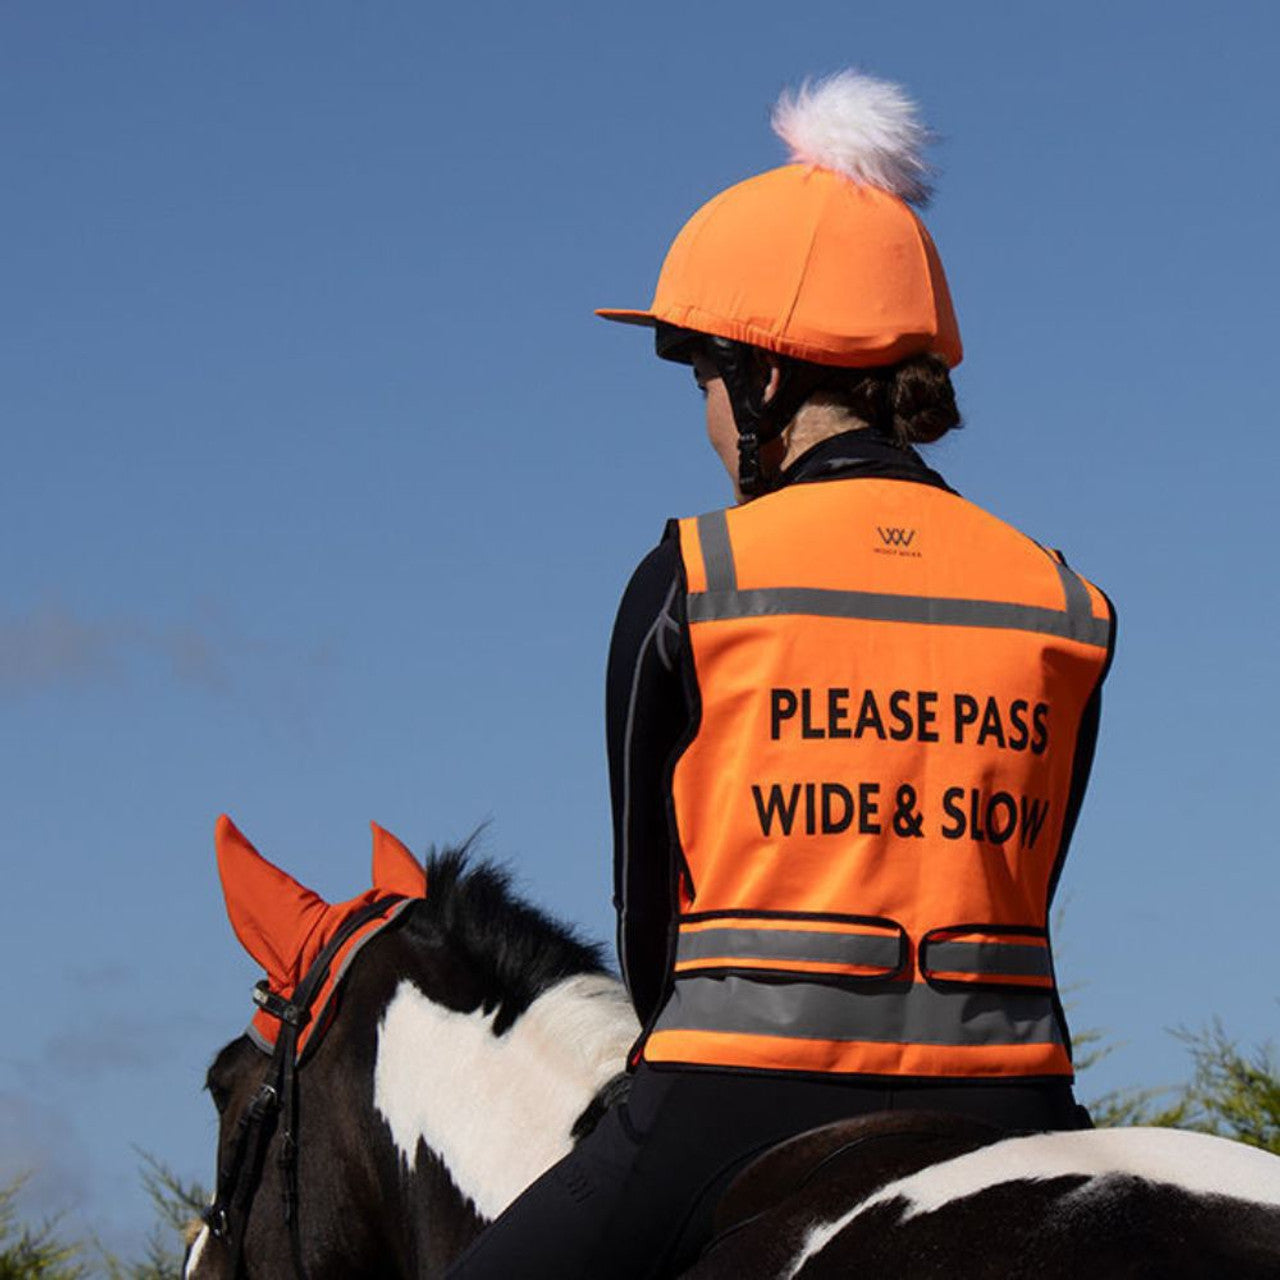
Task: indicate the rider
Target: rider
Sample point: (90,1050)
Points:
(850,723)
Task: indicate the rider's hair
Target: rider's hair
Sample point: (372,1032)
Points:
(913,401)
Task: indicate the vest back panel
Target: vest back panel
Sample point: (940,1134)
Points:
(892,683)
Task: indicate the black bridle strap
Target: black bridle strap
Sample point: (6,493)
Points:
(228,1216)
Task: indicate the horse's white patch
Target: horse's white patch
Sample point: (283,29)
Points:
(498,1110)
(1193,1162)
(193,1258)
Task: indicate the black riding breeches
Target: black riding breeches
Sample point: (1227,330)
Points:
(636,1197)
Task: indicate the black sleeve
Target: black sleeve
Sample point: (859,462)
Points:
(1086,745)
(646,718)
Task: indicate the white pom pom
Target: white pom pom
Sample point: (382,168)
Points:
(864,128)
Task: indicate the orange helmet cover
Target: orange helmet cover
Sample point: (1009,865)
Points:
(805,262)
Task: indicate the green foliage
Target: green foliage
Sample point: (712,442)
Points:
(1088,1048)
(177,1205)
(28,1253)
(1139,1106)
(1122,1106)
(1232,1093)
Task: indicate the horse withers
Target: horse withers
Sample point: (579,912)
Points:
(422,1052)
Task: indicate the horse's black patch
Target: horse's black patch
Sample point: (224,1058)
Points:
(228,1069)
(513,950)
(1060,1229)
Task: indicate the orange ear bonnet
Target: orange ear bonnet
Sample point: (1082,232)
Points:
(395,869)
(284,926)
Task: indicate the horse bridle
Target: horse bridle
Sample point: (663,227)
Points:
(276,1102)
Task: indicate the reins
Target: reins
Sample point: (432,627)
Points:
(276,1102)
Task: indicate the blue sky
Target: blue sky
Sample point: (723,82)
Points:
(321,481)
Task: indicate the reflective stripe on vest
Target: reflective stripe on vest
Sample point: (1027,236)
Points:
(857,948)
(894,1013)
(872,809)
(722,600)
(978,955)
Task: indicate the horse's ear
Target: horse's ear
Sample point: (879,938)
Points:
(270,911)
(395,869)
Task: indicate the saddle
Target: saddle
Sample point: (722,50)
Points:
(827,1170)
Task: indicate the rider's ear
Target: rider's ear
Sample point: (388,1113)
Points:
(272,914)
(395,869)
(769,372)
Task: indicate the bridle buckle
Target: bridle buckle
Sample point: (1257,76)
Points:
(292,1015)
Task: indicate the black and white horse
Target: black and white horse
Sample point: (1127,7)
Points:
(473,1040)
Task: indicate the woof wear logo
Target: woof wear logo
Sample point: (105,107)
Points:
(896,537)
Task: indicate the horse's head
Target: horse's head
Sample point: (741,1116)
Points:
(377,1112)
(282,1205)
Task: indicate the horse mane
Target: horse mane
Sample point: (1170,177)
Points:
(514,949)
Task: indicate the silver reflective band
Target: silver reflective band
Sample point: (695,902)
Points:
(790,944)
(717,552)
(917,1014)
(368,936)
(1010,959)
(1079,605)
(872,606)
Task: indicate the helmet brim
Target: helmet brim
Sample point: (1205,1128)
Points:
(624,316)
(670,342)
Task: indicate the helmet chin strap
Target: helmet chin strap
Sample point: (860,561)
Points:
(759,419)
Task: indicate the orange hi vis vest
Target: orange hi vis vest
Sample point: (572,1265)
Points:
(874,807)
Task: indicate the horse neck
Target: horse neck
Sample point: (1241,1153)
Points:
(497,1110)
